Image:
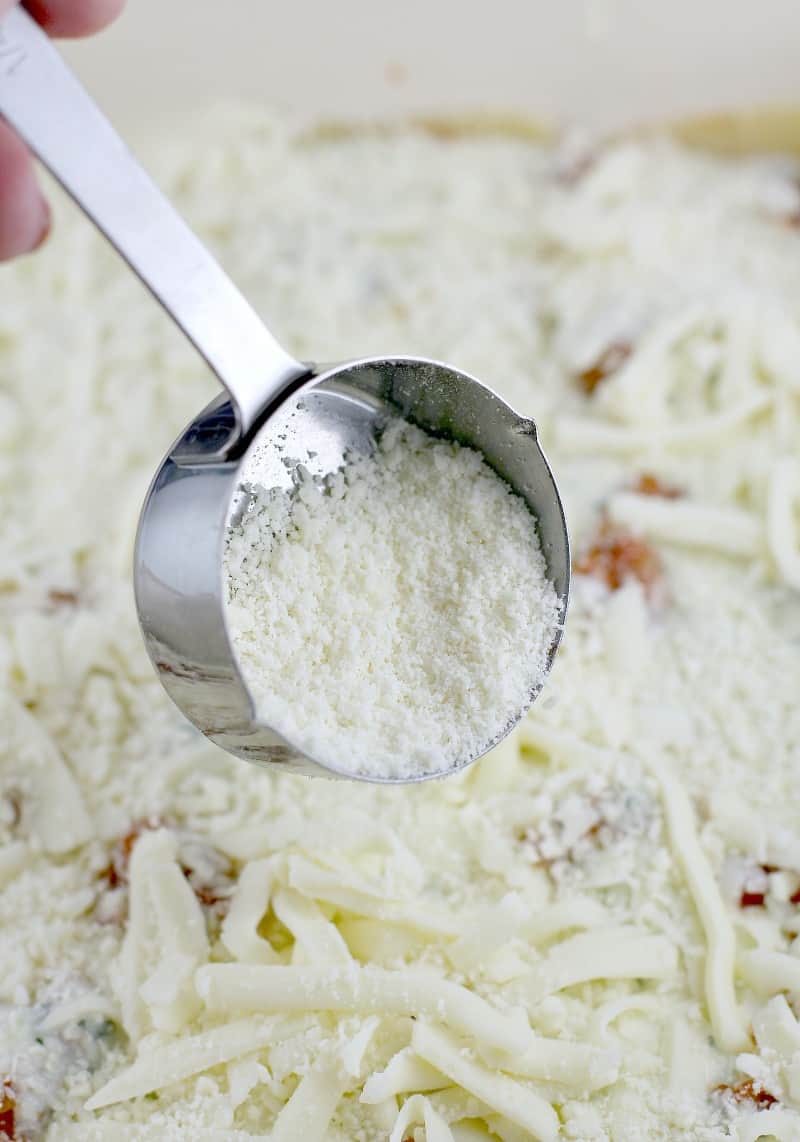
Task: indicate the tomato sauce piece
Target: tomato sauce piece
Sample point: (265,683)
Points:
(117,870)
(616,556)
(650,485)
(62,598)
(752,899)
(795,897)
(8,1112)
(212,891)
(611,359)
(747,1091)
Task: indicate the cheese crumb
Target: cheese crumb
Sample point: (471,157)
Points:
(395,619)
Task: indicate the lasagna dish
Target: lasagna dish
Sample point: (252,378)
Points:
(592,935)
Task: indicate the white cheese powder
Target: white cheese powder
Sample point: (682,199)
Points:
(394,620)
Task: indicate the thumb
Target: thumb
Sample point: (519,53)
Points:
(24,213)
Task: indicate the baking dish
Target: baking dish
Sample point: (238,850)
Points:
(582,32)
(604,64)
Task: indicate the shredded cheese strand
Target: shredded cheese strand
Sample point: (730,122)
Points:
(319,941)
(729,530)
(308,1113)
(160,1066)
(579,1067)
(580,434)
(246,987)
(58,815)
(726,1020)
(248,906)
(404,1072)
(164,914)
(417,1111)
(329,886)
(783,527)
(613,953)
(511,1099)
(768,972)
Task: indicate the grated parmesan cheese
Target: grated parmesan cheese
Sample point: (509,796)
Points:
(590,920)
(368,616)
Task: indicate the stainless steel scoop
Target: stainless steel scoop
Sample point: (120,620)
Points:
(274,410)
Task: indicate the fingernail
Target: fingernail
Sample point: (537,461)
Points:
(46,223)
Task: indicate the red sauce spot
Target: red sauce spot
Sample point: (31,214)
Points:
(116,872)
(795,897)
(8,1105)
(60,598)
(752,899)
(650,485)
(747,1091)
(615,556)
(213,893)
(607,363)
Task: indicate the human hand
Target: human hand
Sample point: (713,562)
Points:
(24,212)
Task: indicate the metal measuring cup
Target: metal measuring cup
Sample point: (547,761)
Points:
(273,409)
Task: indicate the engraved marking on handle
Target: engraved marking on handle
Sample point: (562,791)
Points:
(12,55)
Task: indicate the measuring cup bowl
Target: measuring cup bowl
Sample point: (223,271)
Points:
(200,489)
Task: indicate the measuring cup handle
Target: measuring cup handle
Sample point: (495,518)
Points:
(44,102)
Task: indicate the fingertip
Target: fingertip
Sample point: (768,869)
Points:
(46,224)
(74,17)
(24,211)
